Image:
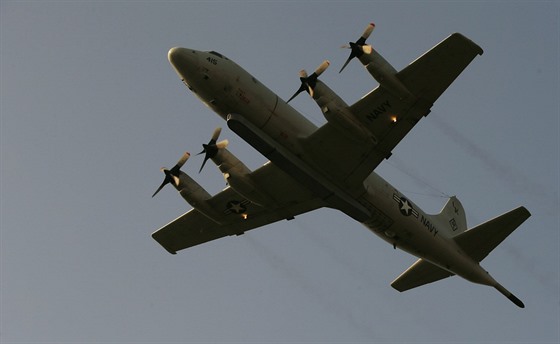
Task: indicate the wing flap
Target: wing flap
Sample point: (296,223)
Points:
(420,273)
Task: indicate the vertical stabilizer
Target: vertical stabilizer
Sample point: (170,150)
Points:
(453,217)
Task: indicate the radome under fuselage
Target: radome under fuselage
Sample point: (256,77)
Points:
(227,88)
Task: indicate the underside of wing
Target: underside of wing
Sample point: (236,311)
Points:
(388,117)
(432,73)
(190,229)
(193,228)
(237,214)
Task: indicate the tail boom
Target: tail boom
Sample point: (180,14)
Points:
(509,295)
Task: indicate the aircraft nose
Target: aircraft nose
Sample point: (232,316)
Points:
(181,57)
(174,55)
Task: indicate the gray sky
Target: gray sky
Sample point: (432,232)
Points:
(90,109)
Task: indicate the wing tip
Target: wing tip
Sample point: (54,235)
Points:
(476,47)
(156,238)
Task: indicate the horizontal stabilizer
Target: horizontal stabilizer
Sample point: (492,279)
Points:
(479,241)
(420,273)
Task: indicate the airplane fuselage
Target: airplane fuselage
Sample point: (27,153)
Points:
(228,89)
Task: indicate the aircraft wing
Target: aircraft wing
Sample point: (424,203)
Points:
(389,118)
(238,214)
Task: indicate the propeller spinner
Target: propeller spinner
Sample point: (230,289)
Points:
(308,82)
(359,47)
(211,148)
(173,172)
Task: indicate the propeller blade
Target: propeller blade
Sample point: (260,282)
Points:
(346,63)
(204,163)
(160,187)
(210,151)
(311,92)
(354,52)
(368,31)
(302,88)
(171,174)
(322,67)
(216,134)
(308,82)
(359,47)
(222,144)
(166,180)
(211,148)
(181,161)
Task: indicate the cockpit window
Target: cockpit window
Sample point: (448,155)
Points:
(218,54)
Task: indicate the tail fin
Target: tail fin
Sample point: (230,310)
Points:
(454,215)
(479,241)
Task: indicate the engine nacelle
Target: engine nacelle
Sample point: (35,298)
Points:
(385,74)
(237,176)
(195,195)
(337,112)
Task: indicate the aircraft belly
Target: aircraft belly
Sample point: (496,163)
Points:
(438,250)
(401,223)
(266,111)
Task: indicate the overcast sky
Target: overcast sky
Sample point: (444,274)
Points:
(90,109)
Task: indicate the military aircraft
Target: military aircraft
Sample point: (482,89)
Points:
(333,165)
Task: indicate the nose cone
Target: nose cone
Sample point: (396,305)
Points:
(182,59)
(175,55)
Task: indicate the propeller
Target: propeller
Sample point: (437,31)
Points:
(308,82)
(211,148)
(173,172)
(359,47)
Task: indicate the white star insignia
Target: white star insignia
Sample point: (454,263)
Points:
(405,207)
